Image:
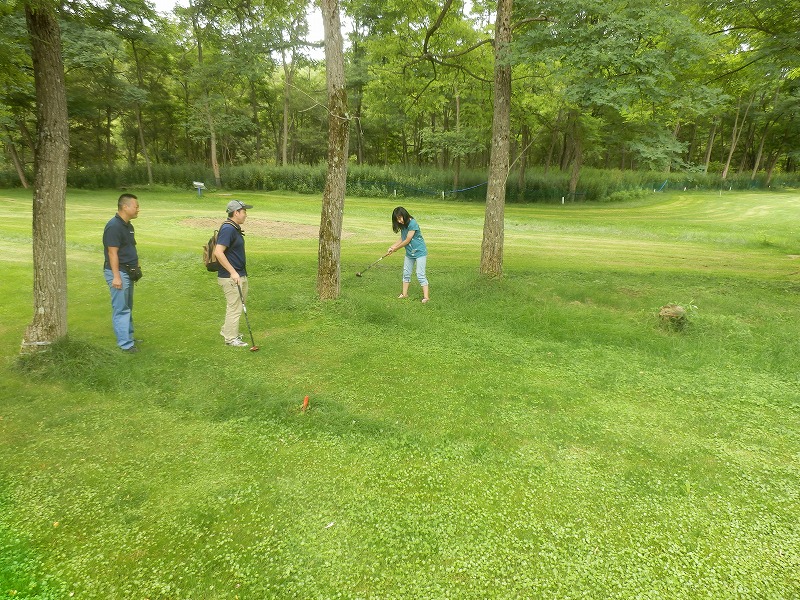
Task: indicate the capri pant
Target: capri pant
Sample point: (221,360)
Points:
(408,267)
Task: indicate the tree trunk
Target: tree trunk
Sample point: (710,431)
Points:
(760,152)
(737,132)
(213,139)
(50,180)
(553,142)
(288,76)
(18,166)
(764,135)
(675,133)
(146,157)
(710,145)
(577,163)
(330,228)
(139,124)
(493,224)
(212,134)
(523,162)
(457,161)
(748,148)
(692,145)
(256,120)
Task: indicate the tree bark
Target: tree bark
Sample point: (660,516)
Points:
(51,156)
(330,228)
(493,224)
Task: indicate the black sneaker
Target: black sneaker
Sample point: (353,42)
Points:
(131,350)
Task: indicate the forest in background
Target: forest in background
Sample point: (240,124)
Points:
(697,91)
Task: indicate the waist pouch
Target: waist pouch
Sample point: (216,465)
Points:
(133,271)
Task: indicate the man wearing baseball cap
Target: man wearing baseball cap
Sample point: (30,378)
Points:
(232,274)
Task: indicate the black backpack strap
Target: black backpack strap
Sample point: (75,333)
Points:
(234,224)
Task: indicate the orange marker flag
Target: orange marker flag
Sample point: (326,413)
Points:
(305,403)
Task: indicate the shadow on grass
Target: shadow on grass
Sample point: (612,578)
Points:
(74,362)
(257,401)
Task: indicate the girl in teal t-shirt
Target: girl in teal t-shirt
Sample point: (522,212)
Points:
(416,251)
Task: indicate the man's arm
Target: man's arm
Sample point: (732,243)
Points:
(219,253)
(113,262)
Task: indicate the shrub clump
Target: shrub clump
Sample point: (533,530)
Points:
(675,316)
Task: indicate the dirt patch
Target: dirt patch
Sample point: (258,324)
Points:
(264,228)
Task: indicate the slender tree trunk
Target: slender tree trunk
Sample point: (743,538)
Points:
(710,145)
(50,182)
(760,152)
(692,144)
(576,143)
(18,166)
(109,153)
(523,162)
(577,163)
(494,220)
(139,123)
(771,162)
(553,142)
(737,132)
(30,144)
(748,148)
(213,140)
(457,161)
(288,76)
(330,228)
(764,136)
(675,133)
(212,133)
(147,163)
(256,120)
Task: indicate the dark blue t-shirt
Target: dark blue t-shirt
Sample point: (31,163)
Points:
(119,234)
(233,240)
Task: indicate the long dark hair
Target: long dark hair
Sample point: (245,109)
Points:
(400,212)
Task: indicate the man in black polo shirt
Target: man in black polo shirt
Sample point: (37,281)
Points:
(121,262)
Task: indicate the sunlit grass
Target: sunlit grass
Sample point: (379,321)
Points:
(540,435)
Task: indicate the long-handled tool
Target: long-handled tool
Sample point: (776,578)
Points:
(361,273)
(253,348)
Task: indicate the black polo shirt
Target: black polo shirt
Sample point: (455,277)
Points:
(119,234)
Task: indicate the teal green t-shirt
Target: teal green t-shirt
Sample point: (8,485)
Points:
(416,247)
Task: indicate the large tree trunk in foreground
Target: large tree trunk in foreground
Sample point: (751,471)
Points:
(493,225)
(50,181)
(330,228)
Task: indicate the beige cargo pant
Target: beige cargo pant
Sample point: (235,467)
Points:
(233,312)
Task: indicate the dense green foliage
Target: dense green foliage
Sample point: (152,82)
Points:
(627,85)
(542,435)
(420,182)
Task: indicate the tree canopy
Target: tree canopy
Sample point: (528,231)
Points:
(634,84)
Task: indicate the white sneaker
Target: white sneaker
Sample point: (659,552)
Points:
(238,343)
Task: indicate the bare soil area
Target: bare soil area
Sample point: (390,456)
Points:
(264,228)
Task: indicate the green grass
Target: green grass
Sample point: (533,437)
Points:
(538,436)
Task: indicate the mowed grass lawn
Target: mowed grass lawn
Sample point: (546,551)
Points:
(542,435)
